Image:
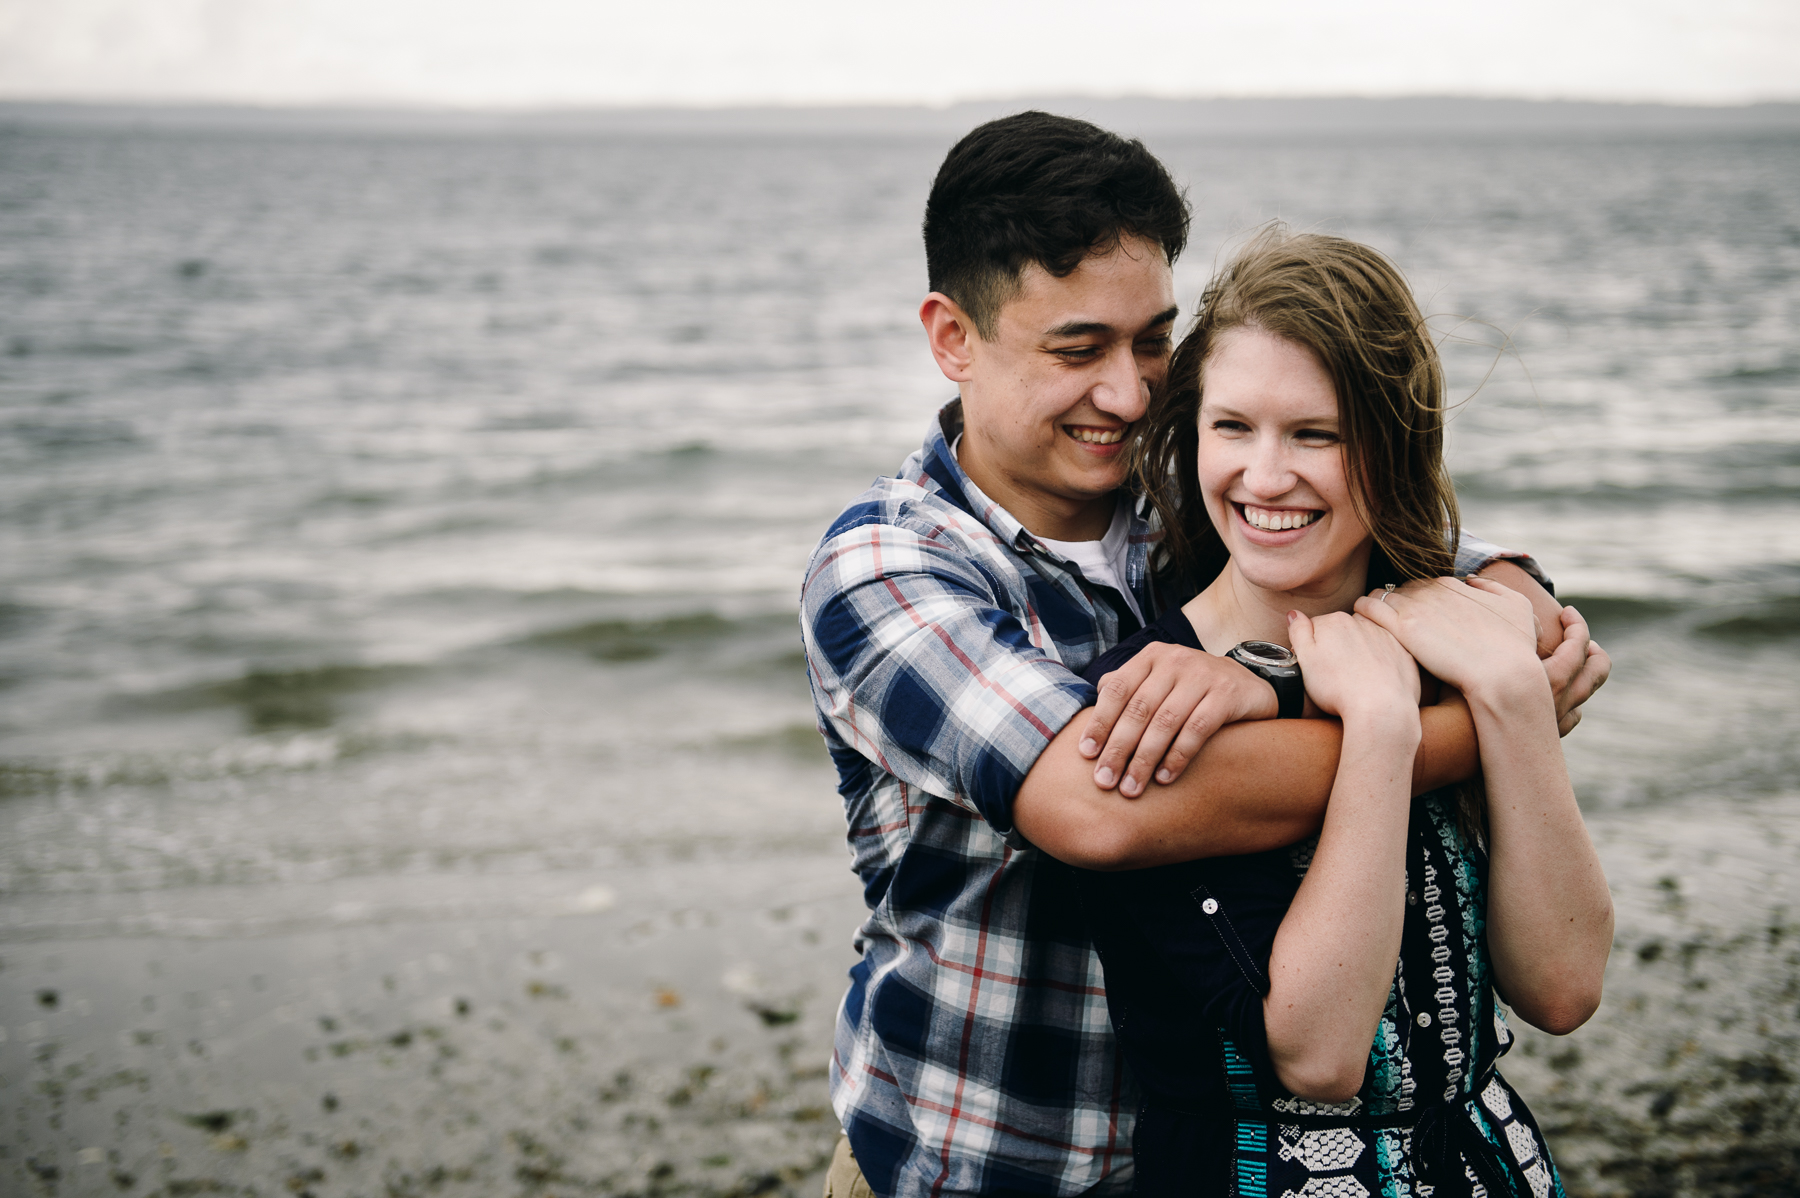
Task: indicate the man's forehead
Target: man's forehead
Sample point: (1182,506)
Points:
(1129,289)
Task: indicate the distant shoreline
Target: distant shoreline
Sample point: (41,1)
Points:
(1142,116)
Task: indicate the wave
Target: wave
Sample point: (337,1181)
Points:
(1775,620)
(640,640)
(276,699)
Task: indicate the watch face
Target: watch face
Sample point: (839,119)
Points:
(1267,653)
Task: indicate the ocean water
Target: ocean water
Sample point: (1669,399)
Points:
(400,531)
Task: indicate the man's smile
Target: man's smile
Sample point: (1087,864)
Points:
(1093,435)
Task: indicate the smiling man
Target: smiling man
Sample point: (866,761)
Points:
(948,613)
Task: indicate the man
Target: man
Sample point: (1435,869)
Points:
(947,614)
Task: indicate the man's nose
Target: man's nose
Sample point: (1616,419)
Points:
(1122,390)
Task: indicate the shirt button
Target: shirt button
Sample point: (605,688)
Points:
(1210,906)
(1412,898)
(1424,1019)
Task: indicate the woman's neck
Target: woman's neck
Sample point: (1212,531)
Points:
(1234,609)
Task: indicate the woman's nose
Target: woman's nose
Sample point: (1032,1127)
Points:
(1268,474)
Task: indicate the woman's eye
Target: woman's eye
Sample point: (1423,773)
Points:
(1316,436)
(1230,426)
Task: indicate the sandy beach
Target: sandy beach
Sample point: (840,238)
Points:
(674,1040)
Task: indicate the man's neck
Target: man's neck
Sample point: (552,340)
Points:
(1044,514)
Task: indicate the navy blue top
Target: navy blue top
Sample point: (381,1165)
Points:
(1186,951)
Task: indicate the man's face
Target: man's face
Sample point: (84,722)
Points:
(1050,401)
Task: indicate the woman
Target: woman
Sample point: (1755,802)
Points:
(1321,1020)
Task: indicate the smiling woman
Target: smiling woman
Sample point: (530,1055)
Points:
(1323,1016)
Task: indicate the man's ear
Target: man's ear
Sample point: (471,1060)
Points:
(951,334)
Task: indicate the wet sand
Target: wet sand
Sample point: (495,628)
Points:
(672,1039)
(661,1046)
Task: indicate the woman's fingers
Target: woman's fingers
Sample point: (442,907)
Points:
(1374,608)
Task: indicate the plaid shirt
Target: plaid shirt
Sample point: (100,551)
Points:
(973,1053)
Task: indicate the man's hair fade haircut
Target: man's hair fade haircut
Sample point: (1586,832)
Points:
(1044,189)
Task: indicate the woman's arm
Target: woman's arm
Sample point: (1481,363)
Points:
(1333,961)
(1550,917)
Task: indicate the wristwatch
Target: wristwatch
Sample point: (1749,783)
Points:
(1280,668)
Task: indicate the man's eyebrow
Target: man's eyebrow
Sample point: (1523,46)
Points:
(1083,328)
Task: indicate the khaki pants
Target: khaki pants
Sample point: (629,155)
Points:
(844,1179)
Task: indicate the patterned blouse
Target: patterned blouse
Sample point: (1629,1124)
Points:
(1186,951)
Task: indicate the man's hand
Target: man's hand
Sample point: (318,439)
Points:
(1576,669)
(1162,705)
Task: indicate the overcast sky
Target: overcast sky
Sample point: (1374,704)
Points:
(529,53)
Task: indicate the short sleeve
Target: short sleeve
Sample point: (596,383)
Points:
(1474,555)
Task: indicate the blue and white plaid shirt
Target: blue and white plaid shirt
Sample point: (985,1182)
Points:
(944,644)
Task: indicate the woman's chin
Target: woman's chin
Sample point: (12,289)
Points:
(1298,579)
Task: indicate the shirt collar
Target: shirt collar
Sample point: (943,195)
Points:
(937,462)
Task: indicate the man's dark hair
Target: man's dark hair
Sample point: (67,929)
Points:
(1046,189)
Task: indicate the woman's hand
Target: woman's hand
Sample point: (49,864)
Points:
(1353,667)
(1163,704)
(1473,634)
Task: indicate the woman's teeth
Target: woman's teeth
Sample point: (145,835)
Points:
(1095,436)
(1271,521)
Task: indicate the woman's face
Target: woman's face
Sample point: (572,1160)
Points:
(1272,466)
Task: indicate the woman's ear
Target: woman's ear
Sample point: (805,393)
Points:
(951,334)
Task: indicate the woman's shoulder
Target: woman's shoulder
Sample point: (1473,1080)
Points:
(1170,628)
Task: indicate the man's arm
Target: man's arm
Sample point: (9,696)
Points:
(1254,786)
(1258,785)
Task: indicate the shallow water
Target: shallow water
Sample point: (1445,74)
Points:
(401,534)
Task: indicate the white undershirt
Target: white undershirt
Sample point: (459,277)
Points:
(1101,561)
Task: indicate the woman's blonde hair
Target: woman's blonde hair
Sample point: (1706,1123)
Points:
(1352,308)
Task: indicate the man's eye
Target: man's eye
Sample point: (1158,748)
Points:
(1077,353)
(1156,346)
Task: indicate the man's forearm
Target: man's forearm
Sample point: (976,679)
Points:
(1254,786)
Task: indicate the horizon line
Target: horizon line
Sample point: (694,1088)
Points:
(453,108)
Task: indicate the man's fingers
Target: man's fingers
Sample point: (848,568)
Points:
(1115,691)
(1567,724)
(1592,676)
(1159,734)
(1209,716)
(1140,708)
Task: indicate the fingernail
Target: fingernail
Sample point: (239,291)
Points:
(1165,777)
(1291,616)
(1103,777)
(1088,747)
(1129,786)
